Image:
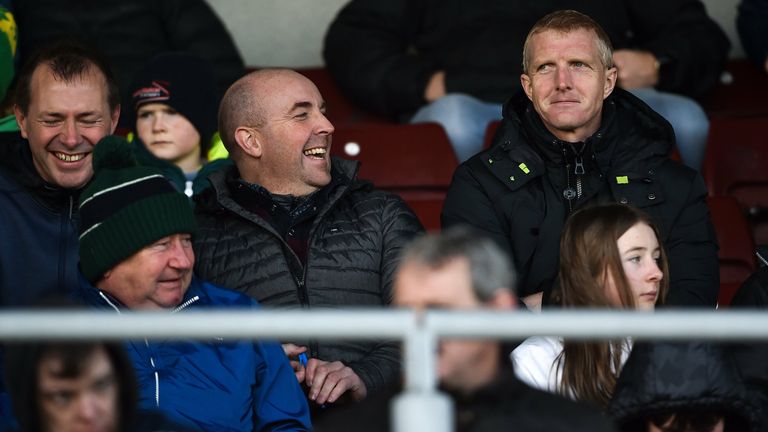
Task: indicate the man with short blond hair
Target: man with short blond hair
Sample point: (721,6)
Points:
(573,139)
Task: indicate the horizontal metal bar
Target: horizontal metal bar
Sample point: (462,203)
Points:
(378,323)
(86,324)
(603,324)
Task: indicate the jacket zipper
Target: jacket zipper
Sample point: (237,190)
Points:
(146,342)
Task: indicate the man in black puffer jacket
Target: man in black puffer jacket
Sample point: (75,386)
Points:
(575,141)
(293,228)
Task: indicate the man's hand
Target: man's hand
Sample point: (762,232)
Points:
(292,351)
(435,87)
(327,381)
(637,69)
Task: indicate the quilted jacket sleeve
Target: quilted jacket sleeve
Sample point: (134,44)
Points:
(381,366)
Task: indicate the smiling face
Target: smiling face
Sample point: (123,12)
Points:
(295,138)
(567,82)
(156,277)
(169,135)
(64,122)
(640,253)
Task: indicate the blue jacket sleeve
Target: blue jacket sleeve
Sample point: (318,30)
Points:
(277,383)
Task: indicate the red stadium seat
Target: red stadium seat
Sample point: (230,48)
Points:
(415,161)
(490,132)
(736,256)
(735,96)
(736,164)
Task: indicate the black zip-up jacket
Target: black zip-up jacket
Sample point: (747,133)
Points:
(515,193)
(354,245)
(382,53)
(38,230)
(666,377)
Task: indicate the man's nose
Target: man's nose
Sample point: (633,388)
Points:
(182,257)
(70,134)
(563,77)
(325,127)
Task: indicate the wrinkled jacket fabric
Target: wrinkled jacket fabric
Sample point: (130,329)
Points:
(354,245)
(664,377)
(383,53)
(38,230)
(222,385)
(514,193)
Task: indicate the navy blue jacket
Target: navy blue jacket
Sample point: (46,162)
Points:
(214,386)
(38,229)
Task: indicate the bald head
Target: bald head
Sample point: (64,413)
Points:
(244,102)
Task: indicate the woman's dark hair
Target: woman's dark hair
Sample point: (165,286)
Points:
(21,371)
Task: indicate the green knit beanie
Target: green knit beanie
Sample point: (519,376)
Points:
(125,208)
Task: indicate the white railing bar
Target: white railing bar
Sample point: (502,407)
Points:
(600,324)
(86,324)
(378,323)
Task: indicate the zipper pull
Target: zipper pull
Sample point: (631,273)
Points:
(579,165)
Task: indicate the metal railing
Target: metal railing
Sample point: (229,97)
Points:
(419,331)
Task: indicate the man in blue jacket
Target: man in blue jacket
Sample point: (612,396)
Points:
(136,253)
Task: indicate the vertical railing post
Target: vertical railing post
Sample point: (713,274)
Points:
(420,407)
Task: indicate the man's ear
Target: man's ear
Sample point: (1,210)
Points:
(21,120)
(503,299)
(115,117)
(611,75)
(525,82)
(249,140)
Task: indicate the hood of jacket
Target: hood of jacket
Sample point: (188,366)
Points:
(664,377)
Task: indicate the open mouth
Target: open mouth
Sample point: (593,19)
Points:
(65,157)
(316,152)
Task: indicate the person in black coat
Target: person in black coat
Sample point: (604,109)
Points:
(600,145)
(684,387)
(456,62)
(752,24)
(294,228)
(130,33)
(459,269)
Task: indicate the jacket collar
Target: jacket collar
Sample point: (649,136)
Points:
(16,161)
(343,180)
(523,146)
(92,296)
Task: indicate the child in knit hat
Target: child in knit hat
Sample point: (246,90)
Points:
(175,106)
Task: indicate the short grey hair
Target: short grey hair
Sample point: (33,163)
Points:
(491,269)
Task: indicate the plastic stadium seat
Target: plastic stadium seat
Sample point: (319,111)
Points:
(736,164)
(736,255)
(415,161)
(735,95)
(490,132)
